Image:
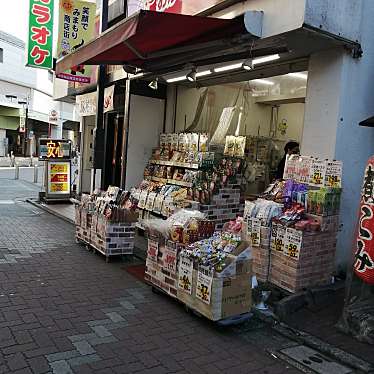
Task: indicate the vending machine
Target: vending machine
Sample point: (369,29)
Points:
(56,154)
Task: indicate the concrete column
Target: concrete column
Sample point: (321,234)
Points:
(340,95)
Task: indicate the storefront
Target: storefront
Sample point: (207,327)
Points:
(304,41)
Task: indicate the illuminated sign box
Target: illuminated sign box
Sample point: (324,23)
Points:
(54,149)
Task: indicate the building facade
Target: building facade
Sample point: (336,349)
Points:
(26,89)
(331,40)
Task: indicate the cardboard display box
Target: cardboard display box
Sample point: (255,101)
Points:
(229,297)
(313,267)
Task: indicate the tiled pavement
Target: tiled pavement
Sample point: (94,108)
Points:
(64,310)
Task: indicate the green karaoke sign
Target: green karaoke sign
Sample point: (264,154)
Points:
(40,40)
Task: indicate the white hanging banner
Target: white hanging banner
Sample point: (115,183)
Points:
(223,125)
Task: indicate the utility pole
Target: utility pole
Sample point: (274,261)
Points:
(99,132)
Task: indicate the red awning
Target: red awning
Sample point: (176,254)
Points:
(147,32)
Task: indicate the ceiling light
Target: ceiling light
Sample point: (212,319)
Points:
(191,76)
(248,64)
(203,73)
(228,67)
(298,75)
(176,79)
(261,60)
(154,84)
(263,81)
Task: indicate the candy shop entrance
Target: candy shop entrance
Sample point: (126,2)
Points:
(268,112)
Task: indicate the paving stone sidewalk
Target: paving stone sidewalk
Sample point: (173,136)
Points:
(65,310)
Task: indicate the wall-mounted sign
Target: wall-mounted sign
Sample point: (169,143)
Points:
(76,28)
(190,7)
(58,178)
(22,120)
(109,99)
(54,149)
(87,104)
(53,117)
(40,39)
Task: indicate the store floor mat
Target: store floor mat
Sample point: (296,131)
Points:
(311,361)
(136,270)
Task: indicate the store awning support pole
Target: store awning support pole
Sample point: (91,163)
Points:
(99,145)
(125,133)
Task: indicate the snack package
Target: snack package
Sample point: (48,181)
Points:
(229,146)
(163,141)
(170,142)
(194,142)
(203,142)
(175,138)
(239,150)
(182,142)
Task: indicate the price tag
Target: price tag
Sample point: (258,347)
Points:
(256,232)
(204,284)
(185,274)
(280,240)
(318,173)
(334,171)
(152,250)
(294,239)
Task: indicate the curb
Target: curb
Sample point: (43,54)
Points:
(50,211)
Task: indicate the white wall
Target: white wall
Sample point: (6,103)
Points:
(256,115)
(146,124)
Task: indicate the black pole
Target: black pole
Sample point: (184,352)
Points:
(99,144)
(125,133)
(25,133)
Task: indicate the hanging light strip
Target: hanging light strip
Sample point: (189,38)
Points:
(263,81)
(228,67)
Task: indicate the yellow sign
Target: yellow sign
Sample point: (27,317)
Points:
(59,177)
(59,187)
(76,28)
(59,168)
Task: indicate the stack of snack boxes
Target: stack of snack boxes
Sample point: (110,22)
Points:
(305,257)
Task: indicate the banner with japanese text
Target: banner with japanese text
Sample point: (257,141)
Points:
(76,28)
(40,37)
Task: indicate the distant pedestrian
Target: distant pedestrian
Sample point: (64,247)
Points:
(291,148)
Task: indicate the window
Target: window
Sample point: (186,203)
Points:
(1,55)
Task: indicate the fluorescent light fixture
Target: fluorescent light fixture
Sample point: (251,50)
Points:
(298,75)
(228,67)
(176,79)
(203,73)
(263,81)
(269,58)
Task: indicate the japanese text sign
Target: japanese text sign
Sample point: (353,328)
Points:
(59,178)
(40,39)
(76,28)
(54,149)
(364,251)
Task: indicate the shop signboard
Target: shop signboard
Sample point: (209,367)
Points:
(54,149)
(185,274)
(189,7)
(76,28)
(87,104)
(364,251)
(59,177)
(40,34)
(22,120)
(204,284)
(109,99)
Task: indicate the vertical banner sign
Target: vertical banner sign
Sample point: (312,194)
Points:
(364,256)
(76,28)
(40,39)
(22,120)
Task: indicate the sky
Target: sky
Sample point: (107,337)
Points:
(14,17)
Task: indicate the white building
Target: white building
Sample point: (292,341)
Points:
(21,87)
